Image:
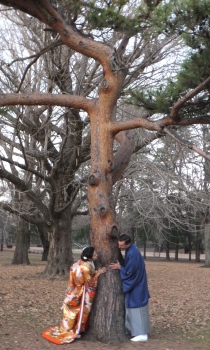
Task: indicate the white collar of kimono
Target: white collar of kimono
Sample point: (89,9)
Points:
(91,263)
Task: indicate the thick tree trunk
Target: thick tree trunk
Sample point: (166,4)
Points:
(108,313)
(207,243)
(22,244)
(60,252)
(197,252)
(45,253)
(107,322)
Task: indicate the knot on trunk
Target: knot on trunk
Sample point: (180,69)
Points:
(112,231)
(102,210)
(93,180)
(111,165)
(104,84)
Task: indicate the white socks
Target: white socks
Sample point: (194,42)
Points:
(140,338)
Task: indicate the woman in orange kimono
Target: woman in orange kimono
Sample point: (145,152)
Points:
(78,300)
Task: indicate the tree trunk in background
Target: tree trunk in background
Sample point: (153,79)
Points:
(44,240)
(197,251)
(60,251)
(206,138)
(177,250)
(167,246)
(190,247)
(145,250)
(22,244)
(207,242)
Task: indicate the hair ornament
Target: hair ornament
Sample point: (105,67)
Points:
(85,248)
(84,258)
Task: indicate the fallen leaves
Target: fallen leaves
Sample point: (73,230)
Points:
(180,298)
(181,294)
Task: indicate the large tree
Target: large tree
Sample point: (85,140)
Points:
(41,149)
(122,38)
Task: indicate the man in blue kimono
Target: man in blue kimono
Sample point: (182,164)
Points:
(134,281)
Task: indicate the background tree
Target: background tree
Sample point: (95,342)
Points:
(40,140)
(168,192)
(206,138)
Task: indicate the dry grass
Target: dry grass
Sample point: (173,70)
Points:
(179,305)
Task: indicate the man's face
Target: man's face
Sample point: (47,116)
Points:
(122,245)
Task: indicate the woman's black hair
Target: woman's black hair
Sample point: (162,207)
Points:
(87,253)
(125,238)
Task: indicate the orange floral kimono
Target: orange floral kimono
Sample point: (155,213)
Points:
(76,305)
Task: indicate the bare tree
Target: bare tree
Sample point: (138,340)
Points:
(167,194)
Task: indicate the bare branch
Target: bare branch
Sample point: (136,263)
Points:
(186,143)
(37,55)
(180,103)
(20,185)
(123,154)
(28,218)
(139,123)
(155,125)
(27,168)
(47,99)
(86,212)
(49,47)
(69,34)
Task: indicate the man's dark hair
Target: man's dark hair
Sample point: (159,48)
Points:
(125,238)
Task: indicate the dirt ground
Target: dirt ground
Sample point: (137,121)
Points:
(179,307)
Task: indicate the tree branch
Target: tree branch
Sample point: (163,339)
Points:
(73,101)
(122,47)
(46,49)
(38,54)
(155,125)
(139,123)
(21,186)
(70,36)
(186,143)
(86,212)
(27,218)
(180,103)
(123,154)
(24,167)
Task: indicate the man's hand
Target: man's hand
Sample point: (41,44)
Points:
(115,266)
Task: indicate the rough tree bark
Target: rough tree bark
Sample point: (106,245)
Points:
(60,250)
(44,240)
(104,229)
(22,244)
(177,249)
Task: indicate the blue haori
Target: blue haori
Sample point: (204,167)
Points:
(134,279)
